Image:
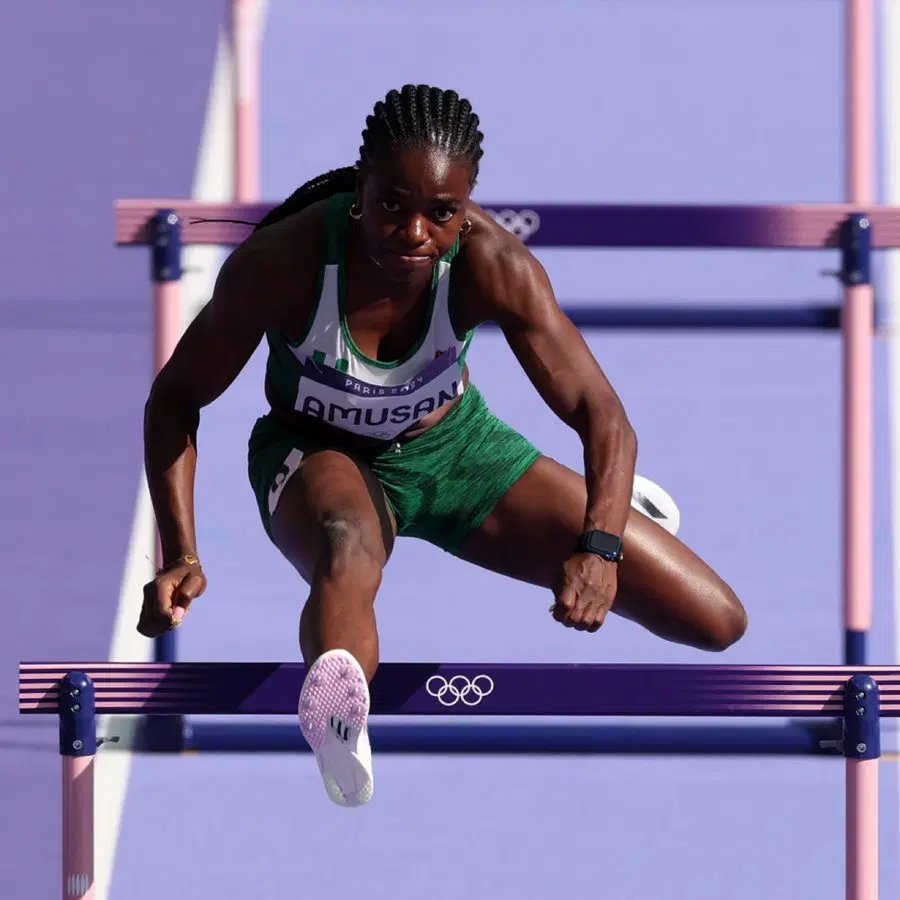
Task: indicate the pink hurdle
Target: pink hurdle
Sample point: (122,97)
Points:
(854,697)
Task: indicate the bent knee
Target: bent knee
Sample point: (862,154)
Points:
(727,622)
(351,548)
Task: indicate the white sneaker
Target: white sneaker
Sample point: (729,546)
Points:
(654,502)
(334,711)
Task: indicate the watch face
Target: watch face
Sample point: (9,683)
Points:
(607,545)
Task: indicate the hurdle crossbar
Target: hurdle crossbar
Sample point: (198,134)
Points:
(859,697)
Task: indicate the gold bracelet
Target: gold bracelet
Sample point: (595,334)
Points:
(189,559)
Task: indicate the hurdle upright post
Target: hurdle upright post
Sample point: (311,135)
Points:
(165,273)
(245,44)
(167,732)
(862,750)
(857,322)
(78,747)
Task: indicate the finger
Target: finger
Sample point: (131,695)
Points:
(598,615)
(579,606)
(152,622)
(191,587)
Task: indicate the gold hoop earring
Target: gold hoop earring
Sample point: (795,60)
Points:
(355,206)
(466,227)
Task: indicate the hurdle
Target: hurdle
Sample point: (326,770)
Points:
(854,234)
(854,228)
(858,697)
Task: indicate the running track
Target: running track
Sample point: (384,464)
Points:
(648,101)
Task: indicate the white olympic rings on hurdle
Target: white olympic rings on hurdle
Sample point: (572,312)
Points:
(523,223)
(459,689)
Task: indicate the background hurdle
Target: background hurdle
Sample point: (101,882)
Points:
(77,692)
(159,224)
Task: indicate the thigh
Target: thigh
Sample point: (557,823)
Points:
(327,498)
(663,585)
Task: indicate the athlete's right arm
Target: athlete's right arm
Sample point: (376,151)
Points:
(210,355)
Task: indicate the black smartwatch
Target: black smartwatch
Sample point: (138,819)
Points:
(601,543)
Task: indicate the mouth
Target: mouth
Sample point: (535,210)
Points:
(407,260)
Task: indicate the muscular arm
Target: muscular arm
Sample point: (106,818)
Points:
(515,292)
(210,355)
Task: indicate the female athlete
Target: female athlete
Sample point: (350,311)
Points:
(368,284)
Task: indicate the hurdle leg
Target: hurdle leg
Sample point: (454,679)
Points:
(165,272)
(857,325)
(78,747)
(858,322)
(164,733)
(862,749)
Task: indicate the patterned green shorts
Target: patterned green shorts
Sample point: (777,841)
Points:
(440,486)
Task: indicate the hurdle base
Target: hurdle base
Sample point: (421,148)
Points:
(801,737)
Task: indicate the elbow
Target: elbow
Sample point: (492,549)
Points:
(165,409)
(629,435)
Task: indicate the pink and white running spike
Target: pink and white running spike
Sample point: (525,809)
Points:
(334,711)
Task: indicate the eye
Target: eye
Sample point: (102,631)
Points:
(444,214)
(391,206)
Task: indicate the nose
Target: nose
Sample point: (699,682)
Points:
(415,230)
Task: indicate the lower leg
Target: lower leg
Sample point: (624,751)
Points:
(340,613)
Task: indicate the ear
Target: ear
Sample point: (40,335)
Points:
(362,175)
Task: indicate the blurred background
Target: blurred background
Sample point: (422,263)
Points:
(580,101)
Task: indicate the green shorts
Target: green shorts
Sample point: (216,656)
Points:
(440,486)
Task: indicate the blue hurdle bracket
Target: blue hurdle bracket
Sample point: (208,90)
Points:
(861,724)
(856,250)
(165,246)
(77,716)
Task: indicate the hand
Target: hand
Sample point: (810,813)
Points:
(585,592)
(168,597)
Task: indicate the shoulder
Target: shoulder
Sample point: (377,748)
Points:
(285,246)
(498,275)
(276,268)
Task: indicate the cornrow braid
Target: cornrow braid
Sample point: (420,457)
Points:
(416,117)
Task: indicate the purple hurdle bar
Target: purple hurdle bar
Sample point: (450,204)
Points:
(77,692)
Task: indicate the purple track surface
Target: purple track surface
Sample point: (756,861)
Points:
(638,102)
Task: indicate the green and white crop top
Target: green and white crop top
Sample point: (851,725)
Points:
(326,376)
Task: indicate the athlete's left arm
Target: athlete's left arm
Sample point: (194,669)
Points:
(515,292)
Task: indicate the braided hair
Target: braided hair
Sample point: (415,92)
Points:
(416,117)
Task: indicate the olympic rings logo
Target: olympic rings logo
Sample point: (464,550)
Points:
(523,223)
(459,689)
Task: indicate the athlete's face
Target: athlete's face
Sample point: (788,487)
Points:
(413,206)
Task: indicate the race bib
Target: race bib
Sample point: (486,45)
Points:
(374,410)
